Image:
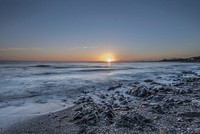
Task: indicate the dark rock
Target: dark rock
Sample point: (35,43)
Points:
(187,101)
(188,72)
(190,114)
(92,131)
(157,98)
(182,91)
(124,102)
(110,101)
(179,84)
(125,108)
(42,66)
(103,102)
(169,100)
(164,89)
(136,82)
(87,110)
(180,119)
(188,119)
(102,96)
(116,105)
(117,92)
(158,109)
(83,100)
(85,91)
(78,108)
(122,98)
(194,79)
(196,103)
(179,102)
(109,115)
(128,99)
(78,115)
(148,80)
(114,86)
(92,114)
(140,91)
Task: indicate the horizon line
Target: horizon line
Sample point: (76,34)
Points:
(75,61)
(147,60)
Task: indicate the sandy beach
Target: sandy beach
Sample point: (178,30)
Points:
(126,107)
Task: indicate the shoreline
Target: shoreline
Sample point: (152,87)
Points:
(131,107)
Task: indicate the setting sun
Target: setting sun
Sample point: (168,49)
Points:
(108,57)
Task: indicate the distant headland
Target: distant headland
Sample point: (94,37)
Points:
(190,59)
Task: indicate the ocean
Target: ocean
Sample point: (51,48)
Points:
(32,88)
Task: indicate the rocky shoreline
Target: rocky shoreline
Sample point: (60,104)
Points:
(127,107)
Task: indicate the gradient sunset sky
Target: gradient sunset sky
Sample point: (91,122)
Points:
(90,30)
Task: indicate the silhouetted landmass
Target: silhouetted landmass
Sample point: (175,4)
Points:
(191,59)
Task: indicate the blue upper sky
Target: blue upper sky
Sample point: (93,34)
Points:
(86,29)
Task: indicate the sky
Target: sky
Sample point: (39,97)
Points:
(93,30)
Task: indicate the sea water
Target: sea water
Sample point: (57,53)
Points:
(32,88)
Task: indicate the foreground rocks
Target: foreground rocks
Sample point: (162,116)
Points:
(86,117)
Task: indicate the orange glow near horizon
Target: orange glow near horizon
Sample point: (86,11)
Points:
(82,55)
